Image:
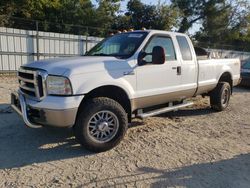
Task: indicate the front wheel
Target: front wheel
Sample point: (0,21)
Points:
(219,98)
(101,124)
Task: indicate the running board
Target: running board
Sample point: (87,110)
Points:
(163,110)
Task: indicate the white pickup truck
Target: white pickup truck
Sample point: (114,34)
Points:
(132,74)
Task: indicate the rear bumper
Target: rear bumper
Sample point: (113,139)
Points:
(35,114)
(236,81)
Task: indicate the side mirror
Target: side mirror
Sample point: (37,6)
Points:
(142,55)
(140,58)
(158,55)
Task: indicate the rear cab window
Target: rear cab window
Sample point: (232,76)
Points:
(184,48)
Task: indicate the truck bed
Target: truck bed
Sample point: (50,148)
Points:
(210,71)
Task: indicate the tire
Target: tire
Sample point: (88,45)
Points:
(220,96)
(101,124)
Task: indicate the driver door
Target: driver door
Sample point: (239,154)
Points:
(158,83)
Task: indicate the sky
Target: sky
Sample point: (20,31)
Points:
(149,2)
(153,2)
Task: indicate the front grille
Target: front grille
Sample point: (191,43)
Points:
(40,85)
(32,83)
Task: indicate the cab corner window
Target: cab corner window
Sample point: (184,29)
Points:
(184,48)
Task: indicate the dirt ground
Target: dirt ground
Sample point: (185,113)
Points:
(194,147)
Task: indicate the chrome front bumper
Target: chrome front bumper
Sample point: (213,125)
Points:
(37,117)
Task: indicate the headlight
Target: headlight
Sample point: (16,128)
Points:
(58,85)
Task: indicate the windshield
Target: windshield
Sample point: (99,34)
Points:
(121,45)
(246,65)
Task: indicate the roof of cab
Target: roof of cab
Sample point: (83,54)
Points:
(154,31)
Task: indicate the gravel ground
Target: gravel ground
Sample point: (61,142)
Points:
(194,147)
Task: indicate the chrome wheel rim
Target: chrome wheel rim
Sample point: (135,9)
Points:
(225,97)
(103,126)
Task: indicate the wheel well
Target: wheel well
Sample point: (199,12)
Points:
(112,92)
(226,77)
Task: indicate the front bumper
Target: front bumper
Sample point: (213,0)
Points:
(53,111)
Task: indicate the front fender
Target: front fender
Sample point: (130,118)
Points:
(83,84)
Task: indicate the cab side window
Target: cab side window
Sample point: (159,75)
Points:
(185,48)
(164,42)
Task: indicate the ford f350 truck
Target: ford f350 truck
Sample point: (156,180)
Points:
(132,74)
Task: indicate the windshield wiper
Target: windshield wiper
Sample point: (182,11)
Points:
(119,56)
(100,54)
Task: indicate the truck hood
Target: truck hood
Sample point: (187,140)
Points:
(79,65)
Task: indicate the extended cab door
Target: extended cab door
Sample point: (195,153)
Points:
(189,69)
(157,84)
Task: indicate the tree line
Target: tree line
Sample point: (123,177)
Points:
(222,23)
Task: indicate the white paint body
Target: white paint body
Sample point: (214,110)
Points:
(87,73)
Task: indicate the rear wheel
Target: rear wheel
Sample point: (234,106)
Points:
(101,124)
(220,96)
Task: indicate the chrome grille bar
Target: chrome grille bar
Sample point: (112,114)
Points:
(27,88)
(32,83)
(26,80)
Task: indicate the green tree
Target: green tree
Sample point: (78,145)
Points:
(167,17)
(105,14)
(215,22)
(140,15)
(60,15)
(225,25)
(191,12)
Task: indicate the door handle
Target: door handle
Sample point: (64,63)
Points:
(179,70)
(129,73)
